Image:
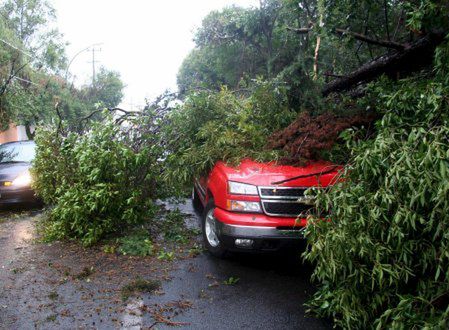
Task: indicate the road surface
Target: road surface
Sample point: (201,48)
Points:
(65,286)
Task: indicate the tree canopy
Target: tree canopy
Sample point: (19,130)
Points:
(33,85)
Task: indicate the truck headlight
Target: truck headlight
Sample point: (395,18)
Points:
(241,188)
(244,206)
(23,180)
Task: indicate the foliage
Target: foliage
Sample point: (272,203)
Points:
(165,255)
(382,260)
(238,43)
(231,281)
(174,228)
(33,77)
(309,136)
(138,244)
(30,20)
(237,46)
(222,126)
(99,181)
(108,89)
(284,40)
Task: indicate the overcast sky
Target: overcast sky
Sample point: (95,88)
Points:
(145,40)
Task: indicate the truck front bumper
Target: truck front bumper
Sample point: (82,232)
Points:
(274,235)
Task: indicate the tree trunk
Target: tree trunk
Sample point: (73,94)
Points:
(315,58)
(414,57)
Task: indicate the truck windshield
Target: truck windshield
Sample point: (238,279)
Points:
(17,152)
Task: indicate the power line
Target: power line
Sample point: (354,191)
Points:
(25,80)
(14,47)
(76,55)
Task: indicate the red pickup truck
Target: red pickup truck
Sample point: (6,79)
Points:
(257,206)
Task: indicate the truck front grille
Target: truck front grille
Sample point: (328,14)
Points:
(281,192)
(285,201)
(285,208)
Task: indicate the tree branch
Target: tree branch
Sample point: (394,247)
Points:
(355,35)
(300,30)
(111,110)
(386,19)
(412,58)
(364,38)
(60,128)
(329,74)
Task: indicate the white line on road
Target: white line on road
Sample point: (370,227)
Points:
(132,317)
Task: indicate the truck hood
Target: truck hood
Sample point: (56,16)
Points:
(10,171)
(267,174)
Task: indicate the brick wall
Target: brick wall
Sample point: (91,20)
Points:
(14,133)
(11,134)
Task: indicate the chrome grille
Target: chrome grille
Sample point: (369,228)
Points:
(282,193)
(285,201)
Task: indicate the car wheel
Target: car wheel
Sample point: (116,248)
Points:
(210,232)
(196,202)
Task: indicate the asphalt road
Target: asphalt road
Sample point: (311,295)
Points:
(41,287)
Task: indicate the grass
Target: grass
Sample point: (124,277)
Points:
(139,285)
(231,281)
(85,273)
(167,256)
(137,244)
(51,318)
(53,295)
(195,250)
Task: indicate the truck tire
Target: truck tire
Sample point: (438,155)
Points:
(209,229)
(196,202)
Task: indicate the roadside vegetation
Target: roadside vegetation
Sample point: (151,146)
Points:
(99,183)
(361,83)
(36,86)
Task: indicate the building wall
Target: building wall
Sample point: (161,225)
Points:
(13,133)
(22,133)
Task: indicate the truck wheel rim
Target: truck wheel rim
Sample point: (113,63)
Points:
(211,229)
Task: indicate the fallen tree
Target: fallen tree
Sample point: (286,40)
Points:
(382,261)
(410,59)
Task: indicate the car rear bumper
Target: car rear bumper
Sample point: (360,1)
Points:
(17,196)
(264,237)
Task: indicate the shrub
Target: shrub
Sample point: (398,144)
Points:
(97,182)
(383,260)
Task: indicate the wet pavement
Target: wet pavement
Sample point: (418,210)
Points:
(65,286)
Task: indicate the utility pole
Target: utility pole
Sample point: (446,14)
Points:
(93,63)
(76,55)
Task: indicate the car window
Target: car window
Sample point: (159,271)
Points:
(17,152)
